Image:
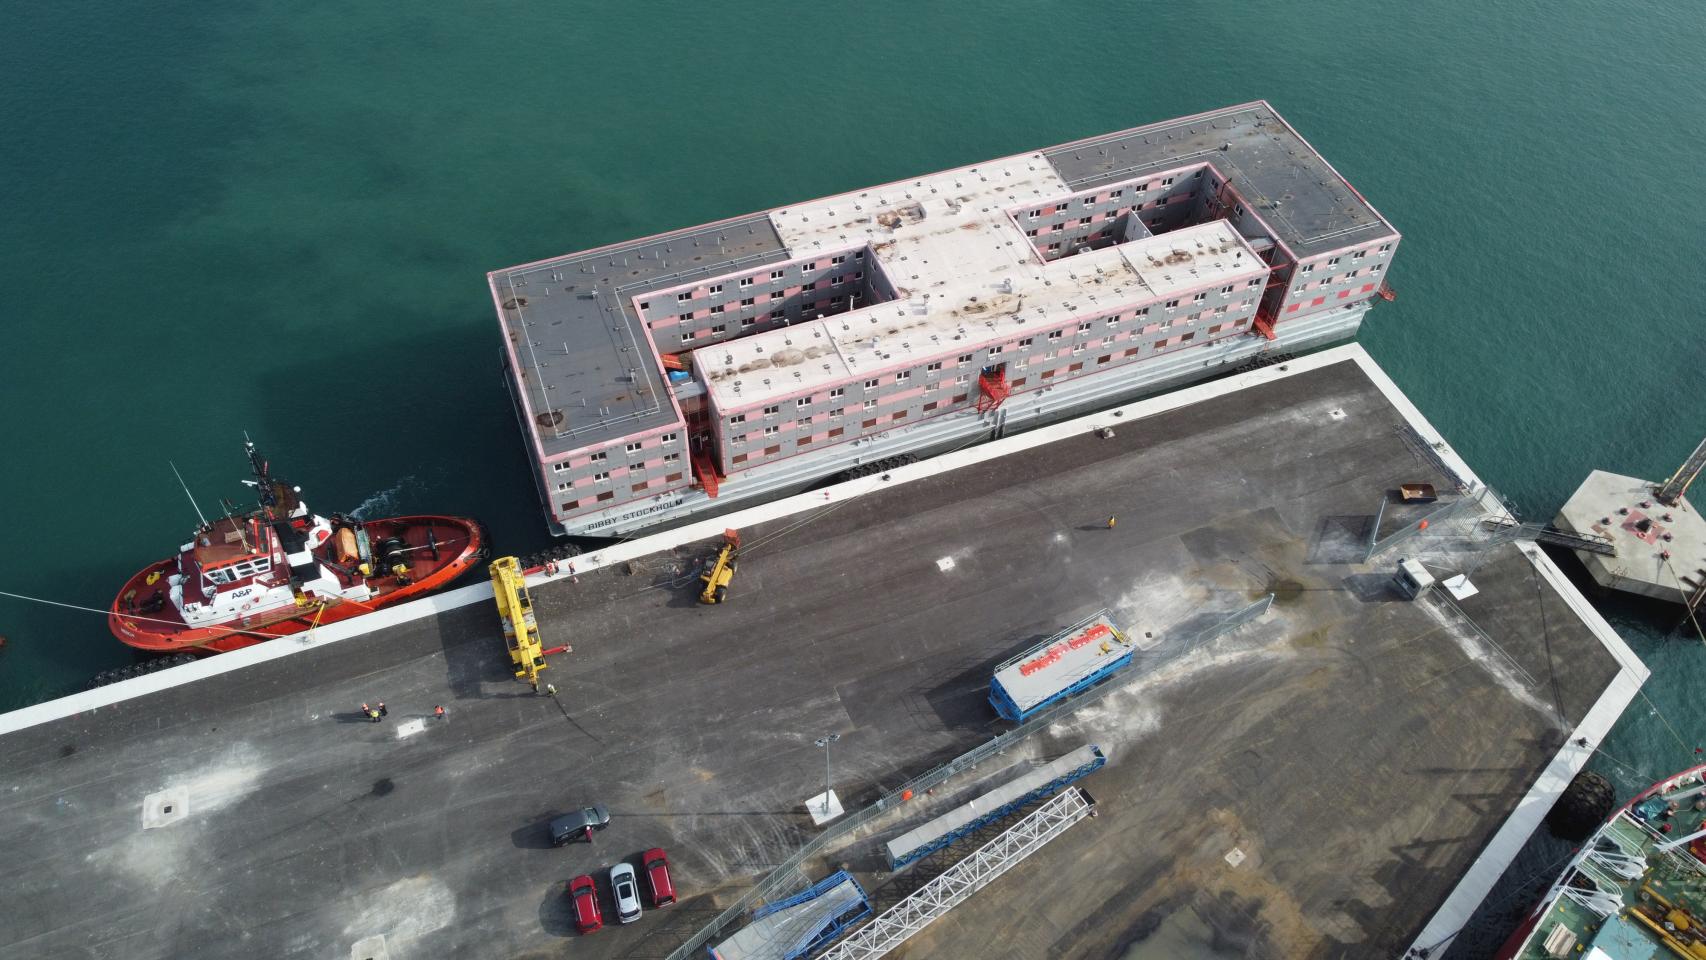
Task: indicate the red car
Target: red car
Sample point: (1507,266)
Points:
(657,877)
(583,893)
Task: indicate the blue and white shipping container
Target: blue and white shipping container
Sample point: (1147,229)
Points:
(1075,659)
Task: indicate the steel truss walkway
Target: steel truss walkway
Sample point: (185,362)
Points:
(1545,533)
(963,879)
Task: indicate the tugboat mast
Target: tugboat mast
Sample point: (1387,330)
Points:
(187,493)
(277,498)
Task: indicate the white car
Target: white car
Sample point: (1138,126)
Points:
(627,892)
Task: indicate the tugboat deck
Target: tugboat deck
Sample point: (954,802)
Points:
(1316,784)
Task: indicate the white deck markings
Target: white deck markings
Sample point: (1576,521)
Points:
(165,807)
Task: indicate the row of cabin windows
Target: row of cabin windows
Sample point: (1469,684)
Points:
(1090,201)
(604,475)
(1024,363)
(806,423)
(602,456)
(743,283)
(1372,269)
(1355,256)
(568,506)
(1087,221)
(747,302)
(966,359)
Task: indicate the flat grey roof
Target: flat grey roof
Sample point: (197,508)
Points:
(1357,751)
(1311,208)
(581,350)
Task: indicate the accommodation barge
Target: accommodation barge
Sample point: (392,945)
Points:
(662,378)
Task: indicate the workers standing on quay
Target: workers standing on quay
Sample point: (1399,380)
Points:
(382,711)
(438,712)
(1111,522)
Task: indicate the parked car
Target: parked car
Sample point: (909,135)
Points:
(657,876)
(583,894)
(627,892)
(579,825)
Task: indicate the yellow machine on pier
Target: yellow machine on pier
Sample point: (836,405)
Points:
(722,570)
(515,610)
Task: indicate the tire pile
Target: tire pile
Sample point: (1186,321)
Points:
(140,669)
(556,554)
(875,467)
(1261,360)
(1584,805)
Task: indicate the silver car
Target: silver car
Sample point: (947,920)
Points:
(626,891)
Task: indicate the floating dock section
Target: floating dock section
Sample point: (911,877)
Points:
(967,818)
(800,924)
(1657,547)
(1077,658)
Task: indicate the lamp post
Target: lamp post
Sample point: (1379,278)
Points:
(824,742)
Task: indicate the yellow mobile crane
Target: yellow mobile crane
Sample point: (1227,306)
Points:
(515,609)
(722,570)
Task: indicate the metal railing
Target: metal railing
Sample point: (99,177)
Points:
(1377,547)
(1512,529)
(1420,446)
(1451,610)
(783,875)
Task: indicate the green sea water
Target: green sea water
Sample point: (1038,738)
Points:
(276,218)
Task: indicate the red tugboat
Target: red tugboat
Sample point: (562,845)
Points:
(282,569)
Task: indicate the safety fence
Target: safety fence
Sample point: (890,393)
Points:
(1378,545)
(1424,450)
(1452,611)
(785,875)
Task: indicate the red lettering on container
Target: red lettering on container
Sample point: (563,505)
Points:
(1053,654)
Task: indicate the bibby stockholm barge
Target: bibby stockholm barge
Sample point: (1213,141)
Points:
(664,377)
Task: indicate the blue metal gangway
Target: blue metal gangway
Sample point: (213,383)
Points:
(968,818)
(795,926)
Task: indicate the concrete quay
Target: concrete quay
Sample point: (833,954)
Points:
(1373,762)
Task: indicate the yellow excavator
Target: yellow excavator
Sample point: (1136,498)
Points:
(722,570)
